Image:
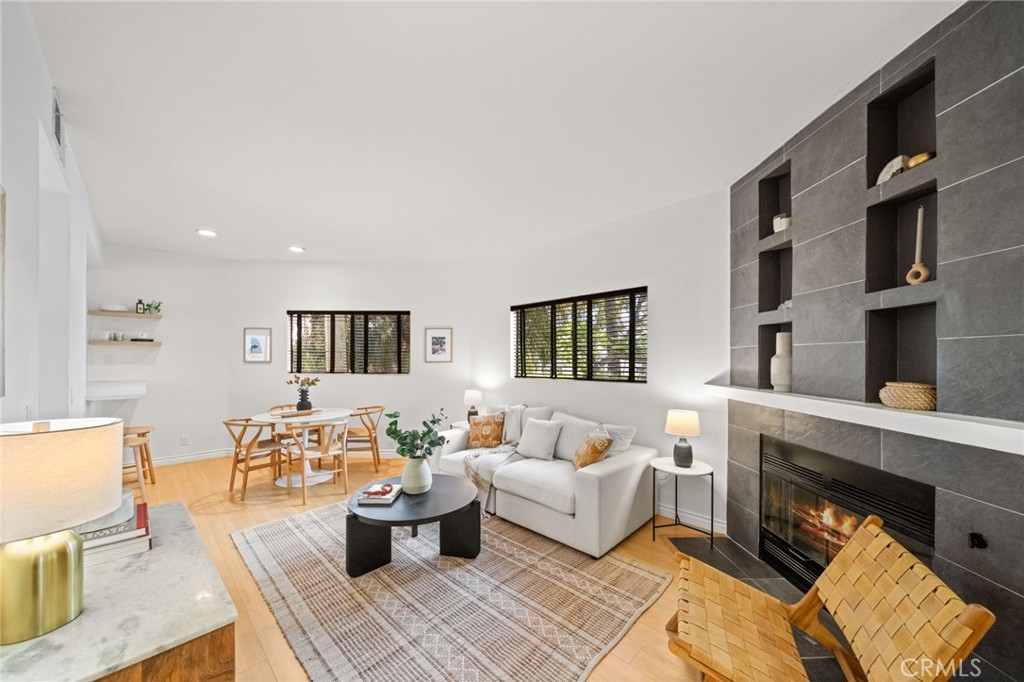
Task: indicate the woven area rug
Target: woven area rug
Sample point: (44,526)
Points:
(527,608)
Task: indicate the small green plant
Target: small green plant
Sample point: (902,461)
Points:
(153,307)
(414,443)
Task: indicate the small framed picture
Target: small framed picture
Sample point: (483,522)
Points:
(257,344)
(438,346)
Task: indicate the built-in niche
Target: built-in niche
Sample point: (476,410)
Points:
(766,349)
(900,347)
(902,121)
(774,277)
(774,198)
(892,237)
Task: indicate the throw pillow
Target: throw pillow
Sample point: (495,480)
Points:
(486,432)
(594,448)
(514,423)
(538,439)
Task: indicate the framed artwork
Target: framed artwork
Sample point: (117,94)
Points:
(256,344)
(438,345)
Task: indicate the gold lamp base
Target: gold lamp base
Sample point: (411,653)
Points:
(40,585)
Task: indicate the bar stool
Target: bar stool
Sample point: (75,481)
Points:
(147,457)
(136,445)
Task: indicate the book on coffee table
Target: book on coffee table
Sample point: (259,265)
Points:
(368,498)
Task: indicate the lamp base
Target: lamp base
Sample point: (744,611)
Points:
(40,585)
(472,413)
(682,454)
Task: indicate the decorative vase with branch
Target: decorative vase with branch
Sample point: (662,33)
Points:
(416,445)
(304,384)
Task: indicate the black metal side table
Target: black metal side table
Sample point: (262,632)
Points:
(667,465)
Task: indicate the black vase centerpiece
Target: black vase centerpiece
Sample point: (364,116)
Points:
(303,403)
(303,384)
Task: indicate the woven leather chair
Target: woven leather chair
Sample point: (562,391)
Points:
(897,615)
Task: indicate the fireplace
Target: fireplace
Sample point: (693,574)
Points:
(812,503)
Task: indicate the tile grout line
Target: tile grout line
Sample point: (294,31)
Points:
(979,174)
(739,267)
(927,49)
(990,85)
(834,286)
(740,227)
(827,177)
(975,499)
(828,343)
(788,149)
(781,157)
(985,336)
(808,241)
(980,255)
(979,575)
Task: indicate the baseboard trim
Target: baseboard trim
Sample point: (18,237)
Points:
(190,457)
(691,518)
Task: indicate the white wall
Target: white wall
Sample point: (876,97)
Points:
(48,223)
(198,377)
(681,252)
(187,377)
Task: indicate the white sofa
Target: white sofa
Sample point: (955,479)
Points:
(590,509)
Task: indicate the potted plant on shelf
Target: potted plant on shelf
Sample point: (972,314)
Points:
(416,446)
(304,384)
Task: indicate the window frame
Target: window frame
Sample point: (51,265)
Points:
(519,338)
(404,323)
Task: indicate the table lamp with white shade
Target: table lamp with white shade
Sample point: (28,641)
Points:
(472,397)
(53,476)
(685,424)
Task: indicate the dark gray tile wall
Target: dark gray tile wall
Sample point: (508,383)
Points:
(978,53)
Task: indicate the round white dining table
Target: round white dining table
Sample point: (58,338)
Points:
(322,415)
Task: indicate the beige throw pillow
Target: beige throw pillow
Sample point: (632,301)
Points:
(594,447)
(486,432)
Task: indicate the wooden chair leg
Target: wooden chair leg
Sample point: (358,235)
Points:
(148,462)
(234,470)
(245,476)
(137,452)
(303,473)
(344,461)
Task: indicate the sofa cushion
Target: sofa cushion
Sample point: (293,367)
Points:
(595,447)
(575,431)
(539,439)
(486,432)
(548,483)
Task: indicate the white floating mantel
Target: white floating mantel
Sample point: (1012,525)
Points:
(993,434)
(114,390)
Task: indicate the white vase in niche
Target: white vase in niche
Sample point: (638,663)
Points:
(416,478)
(782,363)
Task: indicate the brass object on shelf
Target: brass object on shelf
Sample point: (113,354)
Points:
(918,159)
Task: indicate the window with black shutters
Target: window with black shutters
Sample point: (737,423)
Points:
(600,337)
(348,342)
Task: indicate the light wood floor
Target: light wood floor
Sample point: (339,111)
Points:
(261,650)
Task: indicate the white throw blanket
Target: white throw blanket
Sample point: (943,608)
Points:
(480,466)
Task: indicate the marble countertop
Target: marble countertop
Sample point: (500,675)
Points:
(135,608)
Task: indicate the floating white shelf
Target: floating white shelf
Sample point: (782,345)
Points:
(118,313)
(114,390)
(993,434)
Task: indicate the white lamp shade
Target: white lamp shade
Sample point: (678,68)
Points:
(57,479)
(473,397)
(685,423)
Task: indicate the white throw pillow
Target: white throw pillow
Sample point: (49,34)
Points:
(539,438)
(541,413)
(575,431)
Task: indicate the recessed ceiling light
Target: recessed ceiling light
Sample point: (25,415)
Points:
(296,249)
(203,232)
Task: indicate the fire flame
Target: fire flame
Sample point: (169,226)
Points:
(826,523)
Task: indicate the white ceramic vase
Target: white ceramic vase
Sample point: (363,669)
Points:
(782,363)
(416,478)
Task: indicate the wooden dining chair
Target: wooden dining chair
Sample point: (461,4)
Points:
(331,445)
(136,443)
(147,456)
(287,407)
(363,437)
(250,447)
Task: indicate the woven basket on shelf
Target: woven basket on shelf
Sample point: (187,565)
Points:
(907,395)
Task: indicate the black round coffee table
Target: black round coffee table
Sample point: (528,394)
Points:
(451,500)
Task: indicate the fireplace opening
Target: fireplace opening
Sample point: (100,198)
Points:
(813,502)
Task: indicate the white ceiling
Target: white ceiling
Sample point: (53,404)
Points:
(410,131)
